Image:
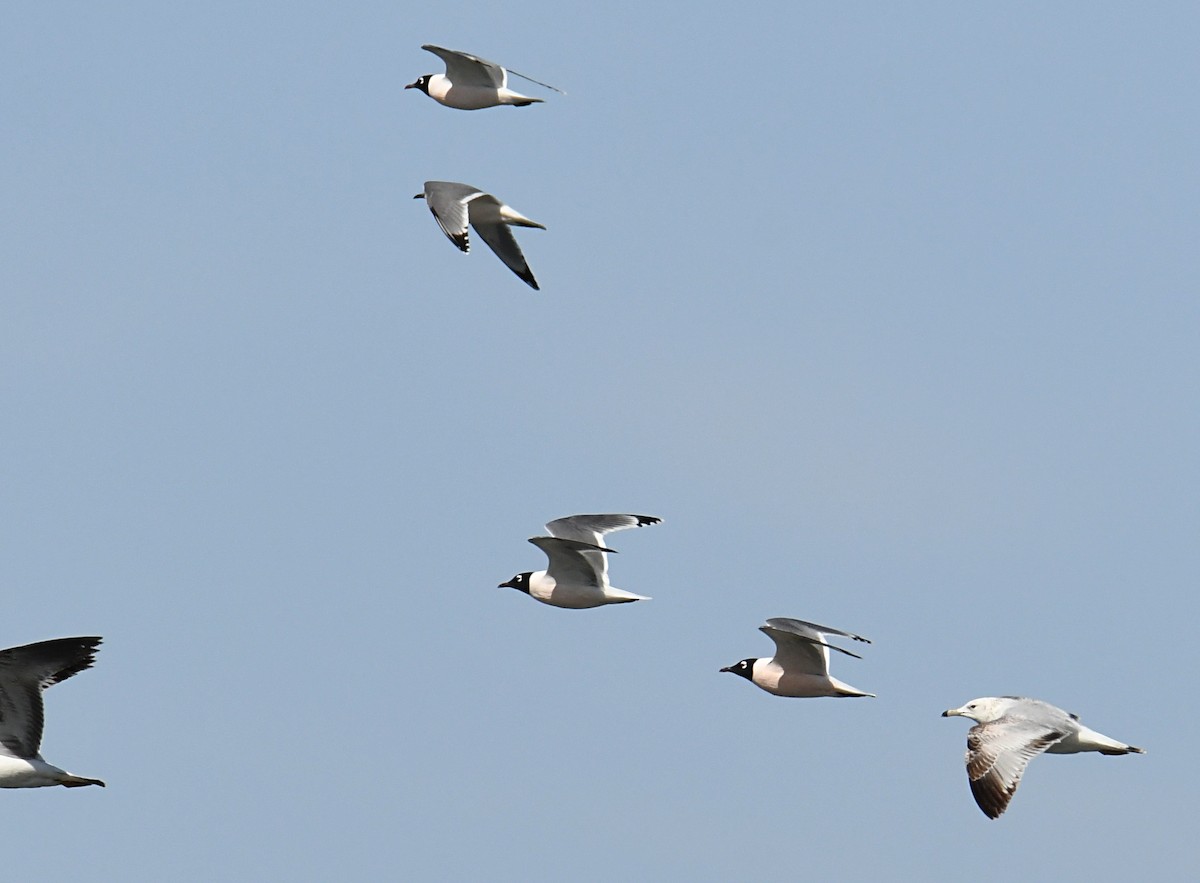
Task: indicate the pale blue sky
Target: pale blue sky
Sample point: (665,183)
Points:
(888,310)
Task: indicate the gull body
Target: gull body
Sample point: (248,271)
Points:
(800,666)
(577,574)
(24,673)
(471,83)
(1012,730)
(455,205)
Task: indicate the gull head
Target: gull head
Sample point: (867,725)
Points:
(519,582)
(421,83)
(983,710)
(745,668)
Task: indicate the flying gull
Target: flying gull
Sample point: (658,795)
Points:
(800,666)
(1013,730)
(472,83)
(24,673)
(577,575)
(455,205)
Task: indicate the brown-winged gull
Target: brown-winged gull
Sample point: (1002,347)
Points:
(1013,730)
(24,673)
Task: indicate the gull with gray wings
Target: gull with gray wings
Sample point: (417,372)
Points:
(800,666)
(472,83)
(455,205)
(577,574)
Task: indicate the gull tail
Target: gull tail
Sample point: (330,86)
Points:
(70,781)
(509,216)
(620,596)
(845,690)
(1093,741)
(1125,749)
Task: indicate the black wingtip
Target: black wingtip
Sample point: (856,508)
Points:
(56,659)
(86,648)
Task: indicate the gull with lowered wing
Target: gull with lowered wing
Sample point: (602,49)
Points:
(455,205)
(800,666)
(1011,731)
(577,574)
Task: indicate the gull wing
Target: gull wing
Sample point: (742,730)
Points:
(569,563)
(448,201)
(997,754)
(24,673)
(464,69)
(807,628)
(592,528)
(798,654)
(500,239)
(798,645)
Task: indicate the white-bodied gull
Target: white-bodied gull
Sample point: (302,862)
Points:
(1011,731)
(472,83)
(800,666)
(24,673)
(577,575)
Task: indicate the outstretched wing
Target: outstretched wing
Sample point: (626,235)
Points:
(448,201)
(500,239)
(592,528)
(806,629)
(997,754)
(24,673)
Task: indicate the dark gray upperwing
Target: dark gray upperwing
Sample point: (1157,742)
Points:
(501,240)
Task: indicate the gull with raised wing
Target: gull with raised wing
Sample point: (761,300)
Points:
(455,205)
(577,575)
(1011,731)
(472,83)
(800,666)
(24,673)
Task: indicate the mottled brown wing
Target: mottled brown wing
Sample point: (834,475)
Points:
(997,754)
